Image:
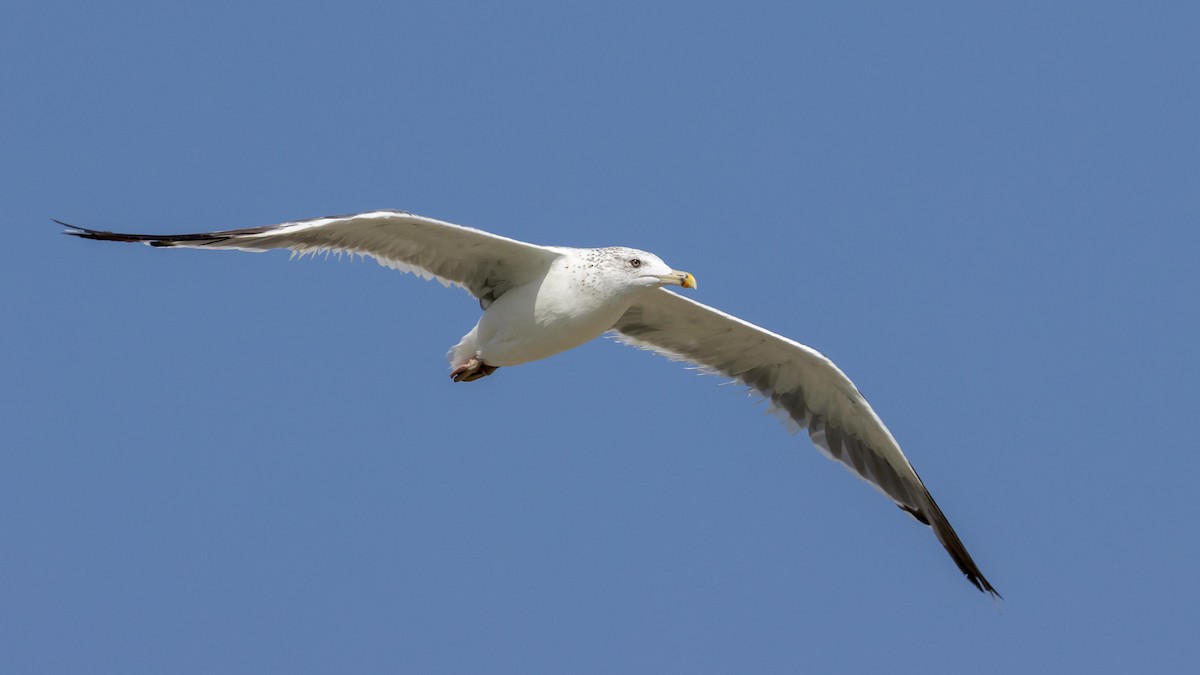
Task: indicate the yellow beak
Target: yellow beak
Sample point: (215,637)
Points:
(678,278)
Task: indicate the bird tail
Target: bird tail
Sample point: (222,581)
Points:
(464,351)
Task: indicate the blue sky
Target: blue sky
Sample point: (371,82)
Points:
(220,462)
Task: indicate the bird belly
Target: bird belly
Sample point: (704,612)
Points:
(531,323)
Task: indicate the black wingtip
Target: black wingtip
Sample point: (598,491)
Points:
(954,546)
(104,235)
(967,566)
(77,231)
(980,582)
(71,229)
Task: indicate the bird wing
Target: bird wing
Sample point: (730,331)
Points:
(485,264)
(802,385)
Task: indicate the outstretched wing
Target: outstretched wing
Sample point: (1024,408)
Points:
(484,264)
(803,385)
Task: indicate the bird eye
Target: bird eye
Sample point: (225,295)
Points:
(636,262)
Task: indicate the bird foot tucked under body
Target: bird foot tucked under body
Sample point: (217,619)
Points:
(472,370)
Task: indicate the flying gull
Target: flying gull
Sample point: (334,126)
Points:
(538,301)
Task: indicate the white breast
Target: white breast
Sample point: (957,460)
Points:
(565,309)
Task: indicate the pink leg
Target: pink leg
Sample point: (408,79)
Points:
(472,370)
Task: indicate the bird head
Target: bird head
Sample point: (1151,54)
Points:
(644,269)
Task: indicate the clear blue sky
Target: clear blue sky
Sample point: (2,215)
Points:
(223,462)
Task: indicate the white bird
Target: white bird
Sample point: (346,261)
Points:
(538,301)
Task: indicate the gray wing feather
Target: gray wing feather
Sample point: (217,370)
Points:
(485,264)
(804,387)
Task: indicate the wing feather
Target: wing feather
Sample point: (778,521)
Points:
(485,264)
(805,387)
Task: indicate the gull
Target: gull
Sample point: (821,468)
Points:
(538,301)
